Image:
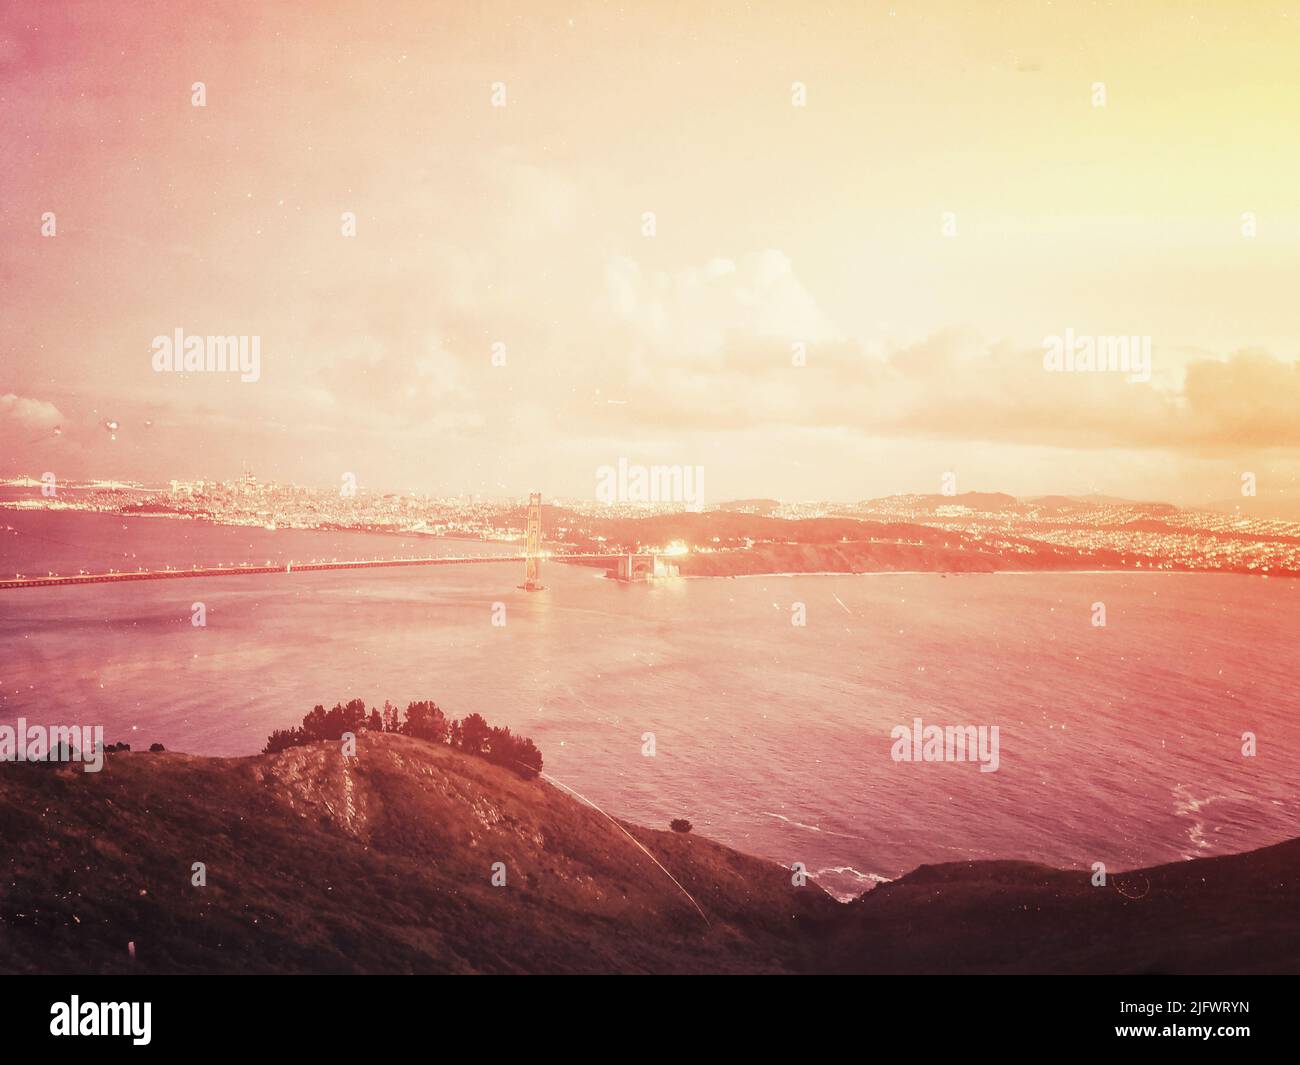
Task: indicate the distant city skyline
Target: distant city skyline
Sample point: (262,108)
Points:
(1284,510)
(590,499)
(979,531)
(1275,504)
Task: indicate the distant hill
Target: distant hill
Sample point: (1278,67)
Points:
(1150,506)
(384,864)
(723,527)
(1056,503)
(983,501)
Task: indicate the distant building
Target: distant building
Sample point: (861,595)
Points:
(643,567)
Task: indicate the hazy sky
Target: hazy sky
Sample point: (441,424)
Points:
(822,225)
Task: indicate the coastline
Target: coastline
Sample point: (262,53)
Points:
(763,559)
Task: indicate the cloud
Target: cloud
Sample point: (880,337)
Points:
(708,348)
(24,413)
(1251,400)
(402,328)
(696,314)
(1000,393)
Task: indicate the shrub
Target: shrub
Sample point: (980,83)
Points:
(320,724)
(680,824)
(473,734)
(282,739)
(424,721)
(514,752)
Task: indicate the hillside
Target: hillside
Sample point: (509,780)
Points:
(384,865)
(1232,914)
(381,865)
(867,557)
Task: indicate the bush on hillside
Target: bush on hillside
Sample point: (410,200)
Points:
(424,720)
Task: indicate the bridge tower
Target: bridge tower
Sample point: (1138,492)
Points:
(533,545)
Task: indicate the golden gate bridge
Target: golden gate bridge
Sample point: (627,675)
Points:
(630,565)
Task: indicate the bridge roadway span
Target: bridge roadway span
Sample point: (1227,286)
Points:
(288,567)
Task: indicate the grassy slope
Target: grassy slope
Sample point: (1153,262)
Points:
(315,865)
(381,865)
(1232,914)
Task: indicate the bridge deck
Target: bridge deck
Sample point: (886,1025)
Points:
(288,567)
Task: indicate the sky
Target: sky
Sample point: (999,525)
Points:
(913,196)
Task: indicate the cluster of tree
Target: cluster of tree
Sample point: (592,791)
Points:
(63,752)
(425,721)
